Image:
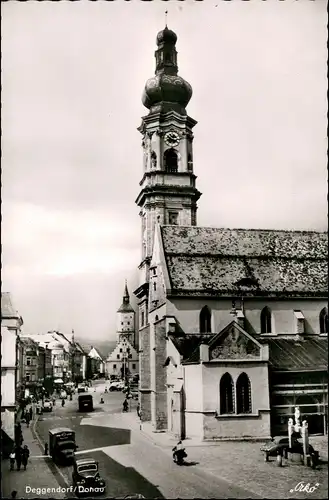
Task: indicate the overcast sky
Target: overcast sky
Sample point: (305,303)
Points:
(73,75)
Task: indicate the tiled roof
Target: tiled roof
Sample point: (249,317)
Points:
(125,308)
(213,261)
(7,308)
(187,344)
(289,354)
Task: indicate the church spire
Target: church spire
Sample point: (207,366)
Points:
(125,306)
(126,297)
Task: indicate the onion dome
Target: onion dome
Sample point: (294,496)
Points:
(166,36)
(166,90)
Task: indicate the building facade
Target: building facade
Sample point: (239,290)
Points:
(233,323)
(11,323)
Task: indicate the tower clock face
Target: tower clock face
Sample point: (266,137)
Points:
(172,138)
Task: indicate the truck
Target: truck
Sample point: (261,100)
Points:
(85,402)
(62,445)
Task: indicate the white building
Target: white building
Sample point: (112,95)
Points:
(11,323)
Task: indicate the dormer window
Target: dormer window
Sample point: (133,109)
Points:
(173,218)
(300,321)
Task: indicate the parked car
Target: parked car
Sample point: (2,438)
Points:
(281,445)
(114,386)
(82,388)
(86,478)
(47,405)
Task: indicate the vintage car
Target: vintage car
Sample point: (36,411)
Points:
(86,479)
(47,405)
(280,445)
(115,386)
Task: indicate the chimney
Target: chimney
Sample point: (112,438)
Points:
(204,353)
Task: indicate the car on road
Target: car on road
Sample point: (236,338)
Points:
(82,388)
(115,386)
(47,405)
(86,478)
(85,402)
(280,445)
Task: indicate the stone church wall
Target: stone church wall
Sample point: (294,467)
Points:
(161,375)
(145,373)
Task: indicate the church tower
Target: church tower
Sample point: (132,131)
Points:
(126,319)
(167,188)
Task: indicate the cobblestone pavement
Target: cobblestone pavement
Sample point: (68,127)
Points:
(33,482)
(242,464)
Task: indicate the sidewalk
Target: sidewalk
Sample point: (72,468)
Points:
(37,475)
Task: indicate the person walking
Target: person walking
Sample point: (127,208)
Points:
(12,457)
(25,456)
(18,457)
(138,410)
(31,413)
(27,419)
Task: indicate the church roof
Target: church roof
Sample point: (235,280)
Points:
(212,261)
(125,308)
(292,355)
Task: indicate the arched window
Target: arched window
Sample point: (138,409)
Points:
(266,320)
(243,394)
(226,394)
(170,160)
(205,320)
(153,160)
(324,320)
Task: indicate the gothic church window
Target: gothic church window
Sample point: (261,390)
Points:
(170,160)
(266,320)
(205,320)
(226,394)
(243,394)
(324,320)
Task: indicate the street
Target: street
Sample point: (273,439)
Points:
(128,461)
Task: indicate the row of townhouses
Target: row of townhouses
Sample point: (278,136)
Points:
(34,364)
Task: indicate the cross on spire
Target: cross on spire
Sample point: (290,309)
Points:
(166,14)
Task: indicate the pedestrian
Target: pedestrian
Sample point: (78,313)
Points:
(31,413)
(138,410)
(12,459)
(18,457)
(14,494)
(27,419)
(25,456)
